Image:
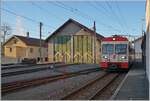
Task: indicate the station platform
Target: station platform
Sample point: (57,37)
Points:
(134,86)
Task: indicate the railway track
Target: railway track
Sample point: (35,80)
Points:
(18,85)
(25,65)
(31,70)
(92,89)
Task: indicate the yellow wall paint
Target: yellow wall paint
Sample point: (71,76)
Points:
(15,51)
(36,53)
(21,50)
(147,14)
(9,53)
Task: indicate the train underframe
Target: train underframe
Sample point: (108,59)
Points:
(114,65)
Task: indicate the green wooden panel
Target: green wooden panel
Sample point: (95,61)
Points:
(85,49)
(82,48)
(75,49)
(68,50)
(89,51)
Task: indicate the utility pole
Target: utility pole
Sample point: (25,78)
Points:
(40,41)
(5,32)
(94,42)
(5,28)
(134,51)
(142,25)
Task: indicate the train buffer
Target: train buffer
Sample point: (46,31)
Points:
(134,86)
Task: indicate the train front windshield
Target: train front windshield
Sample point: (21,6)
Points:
(114,48)
(121,48)
(108,48)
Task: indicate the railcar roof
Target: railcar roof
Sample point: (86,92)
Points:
(115,39)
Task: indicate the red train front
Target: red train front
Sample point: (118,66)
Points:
(114,53)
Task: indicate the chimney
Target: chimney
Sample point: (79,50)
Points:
(28,34)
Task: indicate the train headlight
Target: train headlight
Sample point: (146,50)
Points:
(123,57)
(105,57)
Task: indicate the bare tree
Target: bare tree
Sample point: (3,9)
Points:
(6,29)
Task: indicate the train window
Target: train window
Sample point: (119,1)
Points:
(107,48)
(121,48)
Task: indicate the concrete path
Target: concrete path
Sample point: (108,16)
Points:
(135,85)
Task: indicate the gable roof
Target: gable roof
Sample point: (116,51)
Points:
(78,24)
(28,41)
(138,39)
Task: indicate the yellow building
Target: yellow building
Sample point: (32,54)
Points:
(74,43)
(25,47)
(147,15)
(147,37)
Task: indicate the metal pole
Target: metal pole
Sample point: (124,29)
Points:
(94,43)
(40,41)
(134,49)
(4,36)
(142,25)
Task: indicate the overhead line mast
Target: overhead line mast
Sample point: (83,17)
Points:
(41,42)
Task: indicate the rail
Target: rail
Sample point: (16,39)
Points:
(17,85)
(81,92)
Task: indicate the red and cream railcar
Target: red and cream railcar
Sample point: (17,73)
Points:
(115,53)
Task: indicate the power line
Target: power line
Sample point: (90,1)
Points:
(70,9)
(27,18)
(95,7)
(103,7)
(122,16)
(114,13)
(105,10)
(45,10)
(75,10)
(109,26)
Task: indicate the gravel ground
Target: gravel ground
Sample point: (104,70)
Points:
(12,65)
(29,76)
(54,90)
(109,91)
(44,73)
(85,94)
(26,68)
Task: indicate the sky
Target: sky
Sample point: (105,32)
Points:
(123,17)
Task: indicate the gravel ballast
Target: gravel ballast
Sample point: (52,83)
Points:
(51,91)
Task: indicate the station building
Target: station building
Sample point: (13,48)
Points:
(147,37)
(138,51)
(74,43)
(20,47)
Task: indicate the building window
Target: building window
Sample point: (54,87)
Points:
(31,50)
(46,58)
(10,49)
(15,41)
(38,59)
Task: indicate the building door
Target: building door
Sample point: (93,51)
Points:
(73,49)
(83,49)
(62,49)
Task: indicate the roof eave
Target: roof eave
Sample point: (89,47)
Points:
(75,23)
